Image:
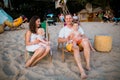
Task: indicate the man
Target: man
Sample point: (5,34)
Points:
(64,33)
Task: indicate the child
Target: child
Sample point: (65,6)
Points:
(41,37)
(75,36)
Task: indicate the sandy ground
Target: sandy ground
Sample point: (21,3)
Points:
(105,66)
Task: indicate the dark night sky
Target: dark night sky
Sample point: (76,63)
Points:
(42,7)
(41,4)
(116,7)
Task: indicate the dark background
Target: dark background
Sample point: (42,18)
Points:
(43,7)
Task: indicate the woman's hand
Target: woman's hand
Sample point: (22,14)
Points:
(36,41)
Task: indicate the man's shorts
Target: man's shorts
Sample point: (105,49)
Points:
(79,41)
(69,47)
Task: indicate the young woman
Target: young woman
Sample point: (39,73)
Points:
(32,43)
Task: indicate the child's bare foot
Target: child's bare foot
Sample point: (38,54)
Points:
(93,49)
(83,75)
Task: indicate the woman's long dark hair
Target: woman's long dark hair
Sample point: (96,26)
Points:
(32,24)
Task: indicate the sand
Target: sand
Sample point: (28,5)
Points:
(105,66)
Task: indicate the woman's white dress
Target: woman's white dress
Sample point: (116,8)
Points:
(32,48)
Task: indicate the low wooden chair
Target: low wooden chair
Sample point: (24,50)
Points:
(63,49)
(47,35)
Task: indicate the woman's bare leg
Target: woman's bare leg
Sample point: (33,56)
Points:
(42,56)
(86,47)
(78,61)
(37,53)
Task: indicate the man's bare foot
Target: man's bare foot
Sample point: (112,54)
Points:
(83,75)
(88,68)
(33,64)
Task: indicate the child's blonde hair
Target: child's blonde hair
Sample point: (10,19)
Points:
(41,31)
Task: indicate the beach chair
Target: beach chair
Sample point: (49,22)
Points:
(1,28)
(16,23)
(47,35)
(61,46)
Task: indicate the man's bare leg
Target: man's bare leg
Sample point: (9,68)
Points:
(78,61)
(86,48)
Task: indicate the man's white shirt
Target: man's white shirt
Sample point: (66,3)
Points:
(65,32)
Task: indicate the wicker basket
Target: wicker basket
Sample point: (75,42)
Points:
(1,28)
(103,43)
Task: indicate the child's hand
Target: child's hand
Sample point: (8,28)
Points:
(48,43)
(67,39)
(70,41)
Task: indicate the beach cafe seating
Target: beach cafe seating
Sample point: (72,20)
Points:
(44,25)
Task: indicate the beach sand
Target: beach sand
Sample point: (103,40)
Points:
(104,66)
